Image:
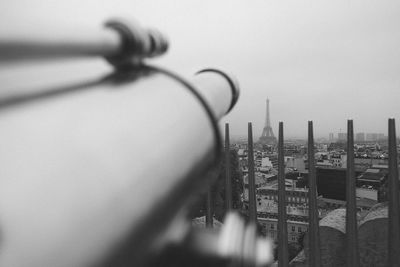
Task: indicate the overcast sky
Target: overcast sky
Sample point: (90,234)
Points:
(321,60)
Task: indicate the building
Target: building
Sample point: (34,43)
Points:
(294,195)
(338,160)
(360,137)
(295,228)
(297,210)
(368,161)
(342,137)
(293,163)
(373,177)
(371,137)
(330,160)
(371,183)
(261,179)
(266,163)
(331,183)
(331,138)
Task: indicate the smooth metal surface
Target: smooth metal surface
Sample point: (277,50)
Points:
(235,244)
(283,251)
(352,255)
(234,83)
(60,44)
(120,41)
(314,241)
(394,208)
(228,178)
(214,97)
(95,173)
(252,183)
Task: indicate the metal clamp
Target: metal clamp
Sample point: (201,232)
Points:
(137,43)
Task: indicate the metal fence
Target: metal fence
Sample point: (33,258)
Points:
(352,250)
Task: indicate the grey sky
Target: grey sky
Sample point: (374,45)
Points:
(307,57)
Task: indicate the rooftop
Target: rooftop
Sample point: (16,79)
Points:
(289,186)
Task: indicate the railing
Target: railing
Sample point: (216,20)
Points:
(313,254)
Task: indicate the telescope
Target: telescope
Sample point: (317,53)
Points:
(101,172)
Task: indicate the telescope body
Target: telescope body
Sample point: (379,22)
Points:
(98,174)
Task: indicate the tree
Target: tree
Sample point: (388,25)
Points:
(237,186)
(218,189)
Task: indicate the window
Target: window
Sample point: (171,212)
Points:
(272,226)
(293,238)
(299,229)
(293,228)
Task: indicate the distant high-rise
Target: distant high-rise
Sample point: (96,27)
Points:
(267,136)
(360,137)
(374,137)
(371,137)
(342,136)
(331,137)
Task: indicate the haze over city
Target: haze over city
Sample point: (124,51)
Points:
(325,61)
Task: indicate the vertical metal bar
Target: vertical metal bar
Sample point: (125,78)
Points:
(393,186)
(252,183)
(313,229)
(352,256)
(228,179)
(209,206)
(283,252)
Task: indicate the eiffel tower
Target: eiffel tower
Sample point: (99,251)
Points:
(267,136)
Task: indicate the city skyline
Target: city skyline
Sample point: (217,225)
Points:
(366,136)
(241,130)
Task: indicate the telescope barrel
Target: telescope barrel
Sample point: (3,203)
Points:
(93,42)
(119,38)
(95,176)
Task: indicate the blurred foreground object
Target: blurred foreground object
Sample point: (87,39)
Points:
(99,173)
(122,42)
(235,244)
